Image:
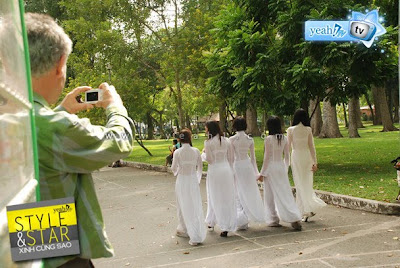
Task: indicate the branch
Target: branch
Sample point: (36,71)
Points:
(176,17)
(227,108)
(162,15)
(157,111)
(140,141)
(316,106)
(152,31)
(159,73)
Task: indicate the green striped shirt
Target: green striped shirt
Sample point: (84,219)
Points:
(70,149)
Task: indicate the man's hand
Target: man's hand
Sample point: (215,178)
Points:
(110,96)
(71,104)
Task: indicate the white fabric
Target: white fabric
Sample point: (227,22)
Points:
(221,207)
(278,198)
(398,177)
(302,159)
(194,165)
(187,166)
(249,202)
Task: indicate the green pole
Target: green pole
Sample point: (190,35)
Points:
(30,95)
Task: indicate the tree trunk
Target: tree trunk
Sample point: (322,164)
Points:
(380,100)
(370,108)
(178,127)
(330,126)
(188,123)
(264,122)
(282,119)
(316,119)
(150,126)
(353,111)
(389,94)
(358,113)
(181,114)
(222,116)
(161,126)
(197,125)
(304,104)
(346,123)
(396,106)
(378,116)
(178,95)
(251,118)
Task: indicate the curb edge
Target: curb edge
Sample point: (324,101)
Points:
(340,200)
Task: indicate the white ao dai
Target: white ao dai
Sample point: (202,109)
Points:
(249,201)
(221,209)
(278,198)
(302,158)
(187,166)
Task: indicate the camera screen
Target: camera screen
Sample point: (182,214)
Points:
(92,96)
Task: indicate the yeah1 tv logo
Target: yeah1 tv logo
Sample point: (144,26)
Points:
(363,28)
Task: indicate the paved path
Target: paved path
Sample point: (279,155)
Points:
(140,216)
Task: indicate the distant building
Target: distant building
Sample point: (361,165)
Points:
(366,112)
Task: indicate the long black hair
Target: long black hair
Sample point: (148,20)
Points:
(275,128)
(301,116)
(239,124)
(214,130)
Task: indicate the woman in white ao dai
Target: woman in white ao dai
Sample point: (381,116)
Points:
(187,165)
(304,164)
(221,207)
(278,197)
(249,202)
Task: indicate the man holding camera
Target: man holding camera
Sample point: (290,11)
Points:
(71,148)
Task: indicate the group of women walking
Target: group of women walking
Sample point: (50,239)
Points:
(233,196)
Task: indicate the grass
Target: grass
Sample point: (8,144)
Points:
(356,167)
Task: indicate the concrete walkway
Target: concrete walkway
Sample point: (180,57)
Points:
(140,216)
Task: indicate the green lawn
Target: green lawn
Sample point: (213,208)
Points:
(357,167)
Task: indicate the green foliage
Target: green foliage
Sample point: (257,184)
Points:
(145,57)
(260,55)
(240,52)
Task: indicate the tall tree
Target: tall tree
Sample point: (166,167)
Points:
(358,113)
(381,102)
(316,116)
(353,111)
(330,128)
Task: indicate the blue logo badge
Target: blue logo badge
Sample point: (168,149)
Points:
(361,28)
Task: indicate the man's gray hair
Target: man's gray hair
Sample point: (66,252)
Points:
(47,42)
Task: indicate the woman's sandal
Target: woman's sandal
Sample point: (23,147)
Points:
(224,234)
(305,218)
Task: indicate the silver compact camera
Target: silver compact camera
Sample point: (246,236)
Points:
(93,96)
